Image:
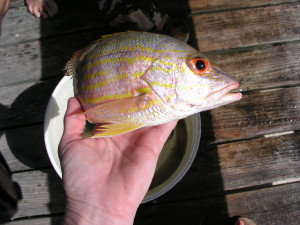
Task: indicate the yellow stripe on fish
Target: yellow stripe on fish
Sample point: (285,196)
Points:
(170,97)
(144,90)
(168,50)
(109,80)
(108,97)
(162,69)
(161,84)
(130,60)
(136,48)
(97,74)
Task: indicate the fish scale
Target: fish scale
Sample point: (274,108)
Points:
(129,80)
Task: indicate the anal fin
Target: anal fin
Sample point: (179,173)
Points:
(112,129)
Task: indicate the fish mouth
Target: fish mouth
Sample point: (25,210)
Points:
(224,96)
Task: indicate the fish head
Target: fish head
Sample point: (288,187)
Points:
(201,85)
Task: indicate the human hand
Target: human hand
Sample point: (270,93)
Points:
(106,179)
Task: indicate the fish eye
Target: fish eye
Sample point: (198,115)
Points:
(199,65)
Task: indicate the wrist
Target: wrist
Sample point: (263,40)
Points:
(84,213)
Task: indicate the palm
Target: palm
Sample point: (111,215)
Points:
(111,167)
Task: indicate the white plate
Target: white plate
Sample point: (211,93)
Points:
(53,124)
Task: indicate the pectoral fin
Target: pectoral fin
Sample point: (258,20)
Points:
(111,129)
(124,104)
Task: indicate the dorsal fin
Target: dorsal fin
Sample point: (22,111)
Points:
(77,57)
(111,35)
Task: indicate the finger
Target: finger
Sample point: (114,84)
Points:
(151,143)
(146,155)
(73,122)
(160,134)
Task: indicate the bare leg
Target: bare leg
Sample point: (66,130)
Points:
(42,8)
(4,4)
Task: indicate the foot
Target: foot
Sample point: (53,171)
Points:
(244,221)
(42,8)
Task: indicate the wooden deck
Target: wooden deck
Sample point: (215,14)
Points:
(248,162)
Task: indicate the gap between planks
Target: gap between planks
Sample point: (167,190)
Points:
(239,8)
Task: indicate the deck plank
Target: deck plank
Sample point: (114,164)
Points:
(18,158)
(225,167)
(262,205)
(42,193)
(269,206)
(37,60)
(25,104)
(255,68)
(53,220)
(258,113)
(247,27)
(223,30)
(262,67)
(20,26)
(195,6)
(237,165)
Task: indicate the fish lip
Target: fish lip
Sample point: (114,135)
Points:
(223,95)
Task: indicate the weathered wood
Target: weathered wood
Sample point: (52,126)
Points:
(225,167)
(258,113)
(53,220)
(193,6)
(24,148)
(255,68)
(247,27)
(42,59)
(264,206)
(183,7)
(262,67)
(270,206)
(250,163)
(42,193)
(217,167)
(16,4)
(20,26)
(25,104)
(223,30)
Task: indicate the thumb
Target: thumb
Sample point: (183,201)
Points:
(73,122)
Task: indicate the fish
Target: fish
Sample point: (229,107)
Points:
(128,80)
